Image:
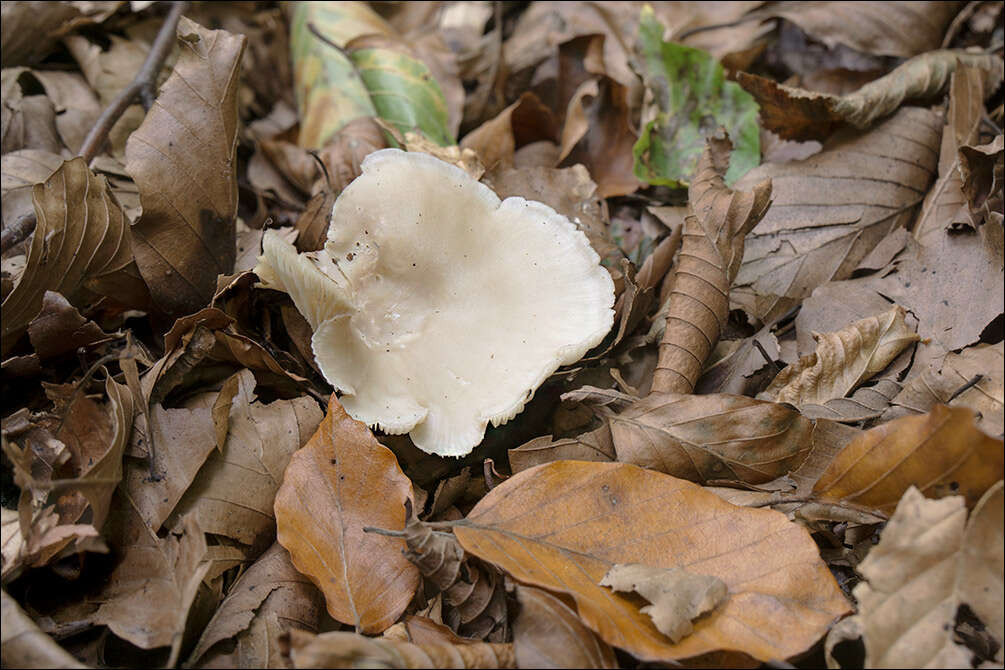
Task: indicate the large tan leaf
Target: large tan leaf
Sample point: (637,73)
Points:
(938,384)
(712,437)
(843,360)
(81,241)
(548,634)
(928,565)
(561,526)
(831,209)
(234,491)
(183,159)
(902,29)
(270,587)
(940,452)
(797,114)
(342,481)
(710,255)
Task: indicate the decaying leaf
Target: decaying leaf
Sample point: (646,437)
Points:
(931,562)
(234,491)
(710,257)
(595,445)
(941,452)
(24,645)
(561,526)
(692,100)
(796,114)
(80,247)
(340,482)
(708,437)
(271,587)
(843,360)
(351,650)
(831,209)
(938,384)
(548,634)
(182,158)
(677,595)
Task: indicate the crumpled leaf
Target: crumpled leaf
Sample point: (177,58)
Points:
(233,493)
(843,360)
(19,172)
(351,650)
(342,481)
(797,114)
(24,644)
(147,597)
(81,245)
(831,209)
(271,587)
(941,452)
(982,168)
(709,258)
(561,527)
(353,79)
(595,445)
(474,599)
(692,100)
(548,634)
(740,366)
(677,595)
(927,566)
(868,402)
(939,382)
(525,121)
(710,437)
(60,329)
(182,158)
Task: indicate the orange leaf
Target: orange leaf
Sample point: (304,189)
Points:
(561,526)
(940,452)
(341,481)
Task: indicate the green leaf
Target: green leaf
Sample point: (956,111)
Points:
(691,99)
(336,83)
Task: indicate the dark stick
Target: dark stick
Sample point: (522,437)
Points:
(142,87)
(973,382)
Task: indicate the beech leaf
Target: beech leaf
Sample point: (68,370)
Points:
(342,481)
(182,158)
(561,526)
(677,596)
(843,360)
(548,634)
(930,562)
(940,452)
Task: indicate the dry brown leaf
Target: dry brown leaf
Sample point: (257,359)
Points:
(19,172)
(182,158)
(28,121)
(351,650)
(147,598)
(176,442)
(561,526)
(30,31)
(60,329)
(797,114)
(677,595)
(342,481)
(941,452)
(830,210)
(474,600)
(712,437)
(982,168)
(868,402)
(272,586)
(709,258)
(596,445)
(81,245)
(843,360)
(902,29)
(927,566)
(937,385)
(548,634)
(526,120)
(24,644)
(737,364)
(233,493)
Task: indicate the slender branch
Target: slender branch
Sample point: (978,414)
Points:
(966,387)
(142,86)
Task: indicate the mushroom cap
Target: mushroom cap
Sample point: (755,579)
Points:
(436,308)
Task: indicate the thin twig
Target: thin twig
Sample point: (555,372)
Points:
(142,86)
(973,382)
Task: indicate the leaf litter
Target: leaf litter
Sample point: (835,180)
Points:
(787,448)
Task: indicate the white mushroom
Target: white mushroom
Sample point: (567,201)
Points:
(436,308)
